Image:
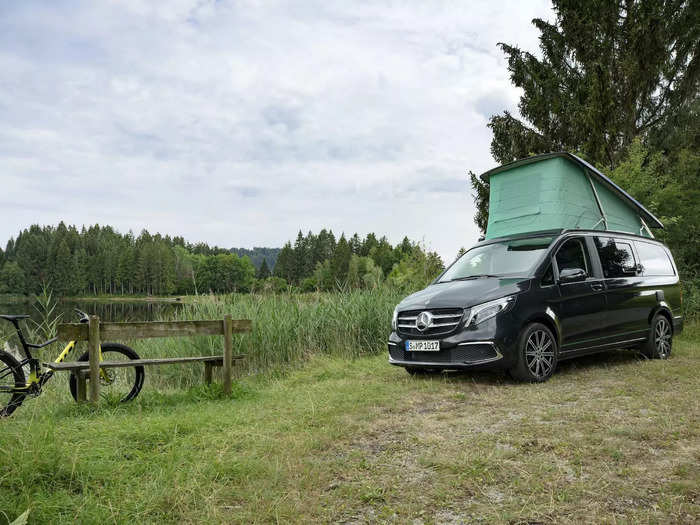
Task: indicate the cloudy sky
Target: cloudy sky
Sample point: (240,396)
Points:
(240,122)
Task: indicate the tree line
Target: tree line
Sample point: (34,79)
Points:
(320,262)
(617,83)
(99,260)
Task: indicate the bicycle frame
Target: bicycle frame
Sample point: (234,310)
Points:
(37,377)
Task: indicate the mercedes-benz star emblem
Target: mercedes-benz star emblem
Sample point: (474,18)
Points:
(424,321)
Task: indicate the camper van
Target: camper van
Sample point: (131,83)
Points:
(530,295)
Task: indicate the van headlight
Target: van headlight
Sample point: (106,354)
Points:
(485,311)
(394,319)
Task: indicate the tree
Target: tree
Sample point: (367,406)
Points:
(323,276)
(416,270)
(79,271)
(285,263)
(611,71)
(355,244)
(62,281)
(340,263)
(373,276)
(383,255)
(264,271)
(299,258)
(12,279)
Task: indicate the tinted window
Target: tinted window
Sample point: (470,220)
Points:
(572,254)
(616,257)
(507,258)
(654,259)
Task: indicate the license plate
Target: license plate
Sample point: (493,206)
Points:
(422,346)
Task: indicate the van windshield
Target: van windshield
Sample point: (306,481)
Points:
(499,259)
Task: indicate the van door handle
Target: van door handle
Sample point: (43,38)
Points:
(597,287)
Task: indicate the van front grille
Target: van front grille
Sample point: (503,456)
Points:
(458,355)
(445,321)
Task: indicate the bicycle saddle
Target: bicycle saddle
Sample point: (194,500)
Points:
(13,318)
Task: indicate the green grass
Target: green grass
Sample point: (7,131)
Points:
(610,438)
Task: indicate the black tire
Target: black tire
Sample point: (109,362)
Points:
(538,354)
(660,339)
(11,375)
(130,378)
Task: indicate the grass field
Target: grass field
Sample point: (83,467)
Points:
(610,438)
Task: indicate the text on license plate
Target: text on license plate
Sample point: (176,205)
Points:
(422,346)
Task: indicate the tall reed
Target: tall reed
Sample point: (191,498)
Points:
(287,329)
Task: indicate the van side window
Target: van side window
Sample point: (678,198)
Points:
(548,277)
(616,257)
(572,254)
(654,259)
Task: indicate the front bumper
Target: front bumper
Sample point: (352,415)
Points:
(465,355)
(490,344)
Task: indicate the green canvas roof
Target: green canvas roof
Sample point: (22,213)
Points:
(560,191)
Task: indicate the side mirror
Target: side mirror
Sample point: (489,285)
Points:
(570,275)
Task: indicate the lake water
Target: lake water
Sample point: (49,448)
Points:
(106,310)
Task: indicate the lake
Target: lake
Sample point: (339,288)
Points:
(106,310)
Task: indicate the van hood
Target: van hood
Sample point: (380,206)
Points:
(464,294)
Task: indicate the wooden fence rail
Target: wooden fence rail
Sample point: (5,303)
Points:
(95,331)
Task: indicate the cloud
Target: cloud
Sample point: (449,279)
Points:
(238,123)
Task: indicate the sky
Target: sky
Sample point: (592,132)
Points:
(238,123)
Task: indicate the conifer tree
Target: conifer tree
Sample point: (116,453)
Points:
(62,279)
(340,262)
(611,71)
(264,271)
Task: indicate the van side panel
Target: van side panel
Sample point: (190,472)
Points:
(661,279)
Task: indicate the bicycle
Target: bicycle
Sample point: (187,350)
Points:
(123,382)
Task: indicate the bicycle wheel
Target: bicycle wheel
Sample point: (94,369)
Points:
(119,384)
(11,376)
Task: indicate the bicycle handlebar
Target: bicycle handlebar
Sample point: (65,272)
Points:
(84,318)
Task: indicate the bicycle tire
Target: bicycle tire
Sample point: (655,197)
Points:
(115,348)
(10,372)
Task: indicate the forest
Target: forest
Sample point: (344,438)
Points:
(98,260)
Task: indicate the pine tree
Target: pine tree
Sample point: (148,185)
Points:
(368,244)
(340,262)
(79,272)
(355,244)
(284,264)
(264,271)
(62,282)
(611,71)
(299,258)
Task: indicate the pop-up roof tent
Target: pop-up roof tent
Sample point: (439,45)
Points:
(560,191)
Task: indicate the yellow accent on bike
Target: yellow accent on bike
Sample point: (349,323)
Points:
(32,379)
(65,352)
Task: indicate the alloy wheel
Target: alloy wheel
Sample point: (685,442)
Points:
(539,354)
(662,338)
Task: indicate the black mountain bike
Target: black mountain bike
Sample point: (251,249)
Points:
(123,383)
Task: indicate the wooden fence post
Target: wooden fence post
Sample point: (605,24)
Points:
(208,372)
(94,353)
(228,352)
(81,386)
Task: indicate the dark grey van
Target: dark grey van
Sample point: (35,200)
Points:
(526,302)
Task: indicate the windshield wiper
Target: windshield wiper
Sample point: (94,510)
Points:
(470,277)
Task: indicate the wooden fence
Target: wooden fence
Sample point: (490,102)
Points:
(95,331)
